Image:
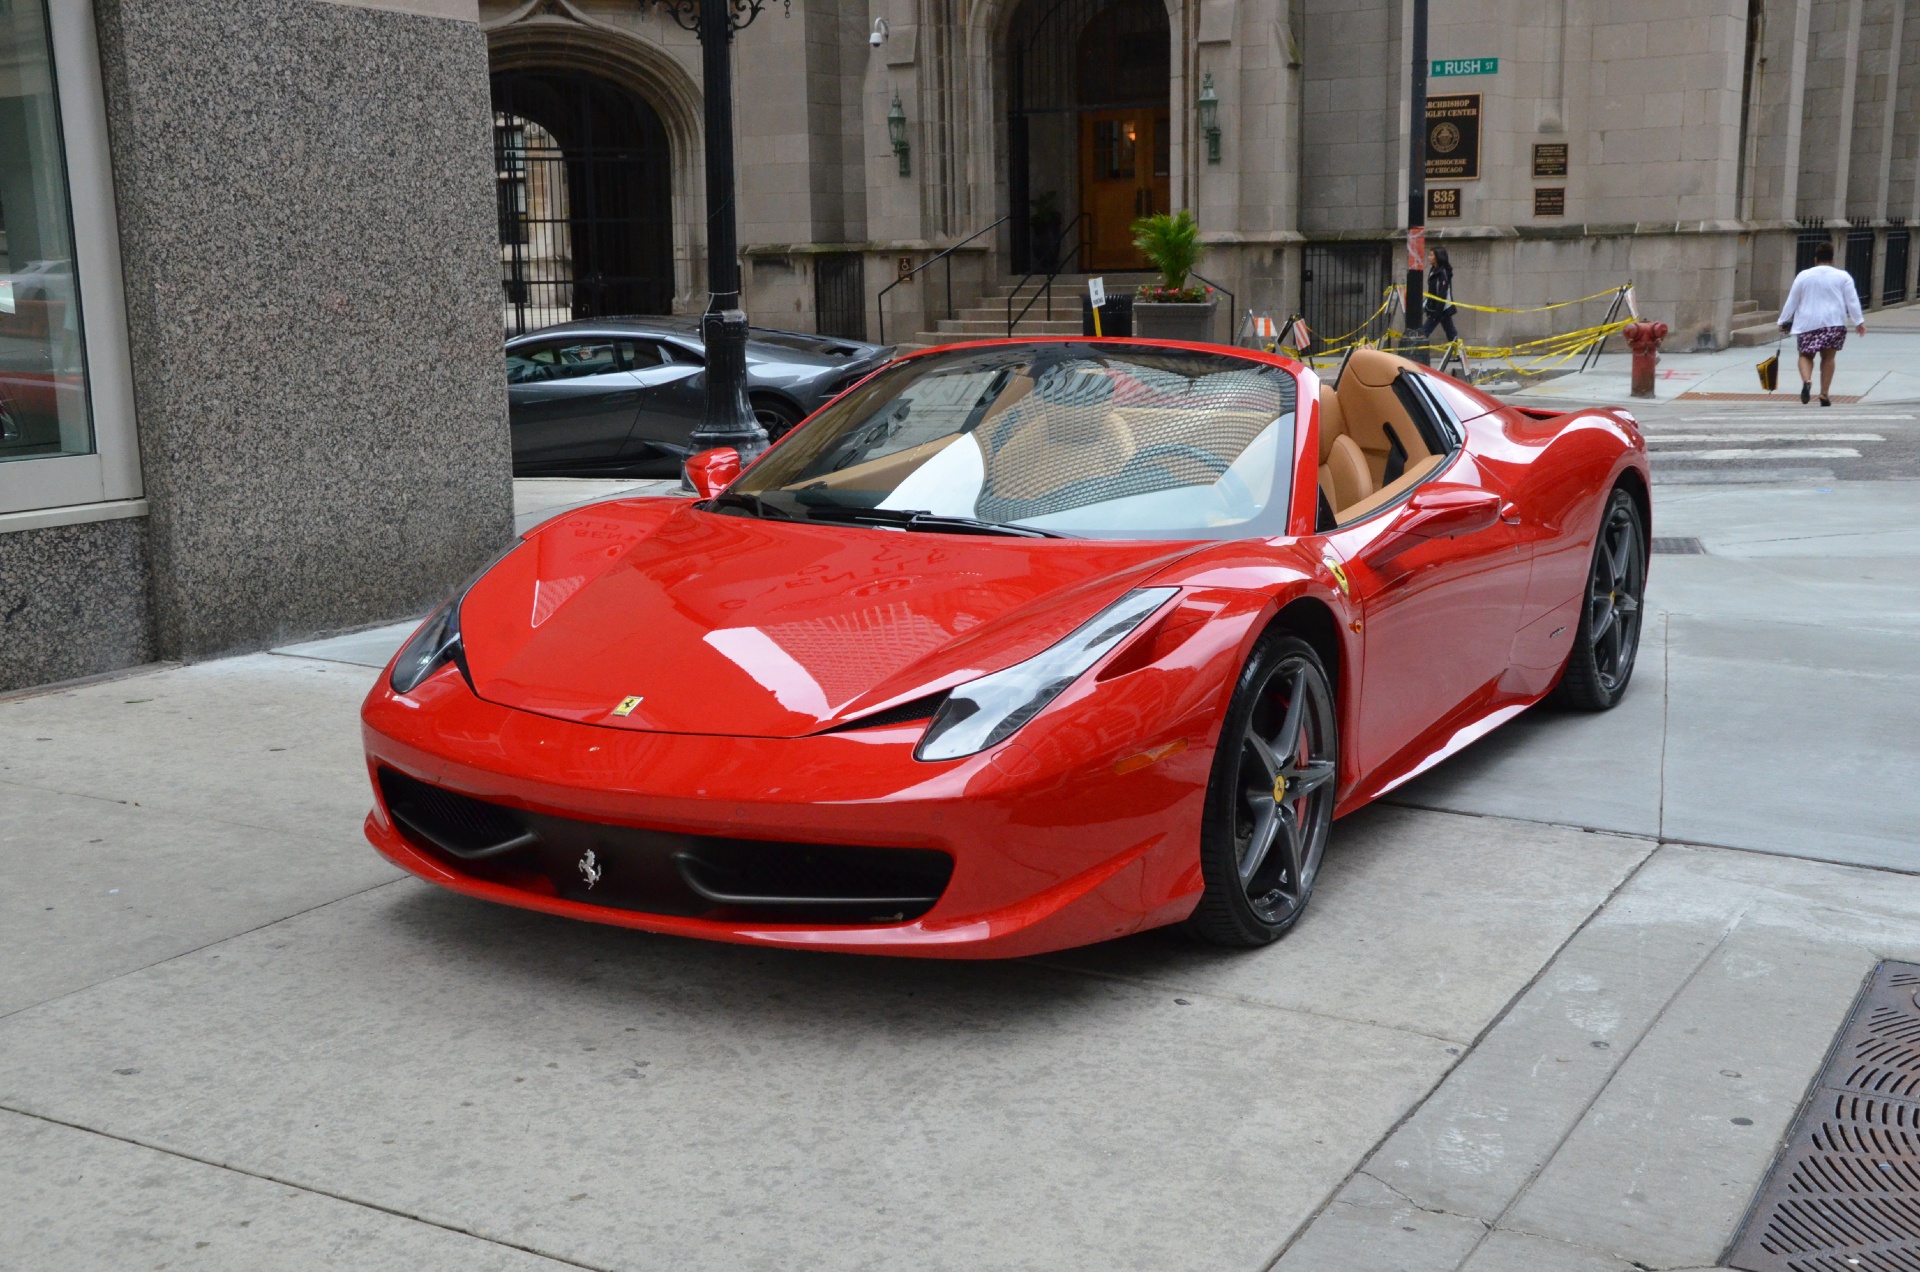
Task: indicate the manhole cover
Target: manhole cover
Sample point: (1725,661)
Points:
(1844,1195)
(1677,547)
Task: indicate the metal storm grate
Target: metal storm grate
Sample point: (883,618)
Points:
(1677,547)
(1844,1195)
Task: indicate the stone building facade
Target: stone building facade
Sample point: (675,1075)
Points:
(1693,147)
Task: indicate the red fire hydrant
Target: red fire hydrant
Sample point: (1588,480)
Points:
(1644,339)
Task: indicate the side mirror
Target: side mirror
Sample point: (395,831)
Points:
(711,471)
(1443,510)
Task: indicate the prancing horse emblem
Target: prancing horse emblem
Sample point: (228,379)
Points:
(590,869)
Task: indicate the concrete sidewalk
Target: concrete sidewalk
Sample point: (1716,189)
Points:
(1879,368)
(1552,1008)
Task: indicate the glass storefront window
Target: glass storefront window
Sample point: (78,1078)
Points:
(43,374)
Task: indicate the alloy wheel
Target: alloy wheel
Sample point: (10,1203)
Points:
(1284,809)
(1614,595)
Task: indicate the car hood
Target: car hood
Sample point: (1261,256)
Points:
(718,624)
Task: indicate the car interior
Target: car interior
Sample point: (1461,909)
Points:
(1380,436)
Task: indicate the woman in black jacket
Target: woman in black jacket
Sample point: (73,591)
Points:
(1440,283)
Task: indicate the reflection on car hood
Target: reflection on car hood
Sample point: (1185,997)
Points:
(730,625)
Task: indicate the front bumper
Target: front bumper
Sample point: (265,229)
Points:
(1064,837)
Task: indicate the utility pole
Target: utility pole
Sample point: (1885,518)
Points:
(1414,311)
(728,420)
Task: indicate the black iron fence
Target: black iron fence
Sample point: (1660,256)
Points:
(1341,287)
(840,295)
(1893,274)
(1860,261)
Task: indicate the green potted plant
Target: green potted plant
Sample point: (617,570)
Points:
(1170,309)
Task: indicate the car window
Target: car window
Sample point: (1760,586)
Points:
(1101,441)
(640,354)
(561,361)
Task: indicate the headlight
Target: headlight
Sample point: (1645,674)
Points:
(437,643)
(987,711)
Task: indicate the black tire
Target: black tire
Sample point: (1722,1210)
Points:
(1608,640)
(1279,725)
(775,416)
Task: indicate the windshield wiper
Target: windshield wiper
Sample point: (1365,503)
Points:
(749,501)
(920,519)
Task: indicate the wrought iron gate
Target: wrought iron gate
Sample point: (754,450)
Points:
(1341,285)
(583,177)
(1860,262)
(840,295)
(1893,275)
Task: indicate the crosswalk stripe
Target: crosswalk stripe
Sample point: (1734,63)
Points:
(1763,452)
(1801,417)
(1656,438)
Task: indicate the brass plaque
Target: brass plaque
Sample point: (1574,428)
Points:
(1453,137)
(1443,204)
(1550,201)
(1550,159)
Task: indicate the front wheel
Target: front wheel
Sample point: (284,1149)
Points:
(1270,800)
(1608,638)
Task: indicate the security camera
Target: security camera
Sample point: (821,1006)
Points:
(880,33)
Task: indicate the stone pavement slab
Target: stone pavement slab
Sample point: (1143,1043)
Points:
(1575,768)
(258,741)
(1423,921)
(374,647)
(624,1100)
(81,1202)
(91,887)
(1626,1108)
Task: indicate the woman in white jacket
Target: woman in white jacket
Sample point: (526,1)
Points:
(1822,305)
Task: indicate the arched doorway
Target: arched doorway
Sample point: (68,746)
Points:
(585,194)
(1088,126)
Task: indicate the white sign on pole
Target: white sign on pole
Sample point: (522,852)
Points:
(1097,291)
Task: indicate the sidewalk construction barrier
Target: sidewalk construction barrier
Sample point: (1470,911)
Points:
(1524,357)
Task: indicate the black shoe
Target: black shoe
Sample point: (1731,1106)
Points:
(1806,393)
(1825,402)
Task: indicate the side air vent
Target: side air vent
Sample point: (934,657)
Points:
(471,829)
(906,713)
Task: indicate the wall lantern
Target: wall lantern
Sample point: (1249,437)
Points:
(1209,107)
(897,131)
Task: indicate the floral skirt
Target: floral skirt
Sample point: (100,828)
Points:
(1820,339)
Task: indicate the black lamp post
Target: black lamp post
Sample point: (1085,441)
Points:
(1414,311)
(729,417)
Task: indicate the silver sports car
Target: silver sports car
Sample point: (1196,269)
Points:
(622,396)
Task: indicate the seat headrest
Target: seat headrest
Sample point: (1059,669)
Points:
(1332,424)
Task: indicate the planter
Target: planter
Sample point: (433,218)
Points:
(1157,321)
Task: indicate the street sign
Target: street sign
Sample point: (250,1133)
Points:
(1443,67)
(1097,291)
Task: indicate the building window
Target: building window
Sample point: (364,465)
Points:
(44,409)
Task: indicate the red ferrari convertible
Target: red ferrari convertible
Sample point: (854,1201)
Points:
(1012,647)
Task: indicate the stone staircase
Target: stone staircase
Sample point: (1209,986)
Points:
(1751,327)
(986,318)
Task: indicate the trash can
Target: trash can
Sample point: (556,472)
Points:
(1116,316)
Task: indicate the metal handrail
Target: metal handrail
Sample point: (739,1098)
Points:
(880,301)
(1059,267)
(1233,306)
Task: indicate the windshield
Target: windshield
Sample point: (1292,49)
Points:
(1095,441)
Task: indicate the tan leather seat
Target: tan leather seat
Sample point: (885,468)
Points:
(1050,445)
(1344,476)
(1369,407)
(1355,443)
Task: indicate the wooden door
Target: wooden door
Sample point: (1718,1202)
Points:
(1124,175)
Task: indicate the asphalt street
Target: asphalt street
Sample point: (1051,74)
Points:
(1553,1007)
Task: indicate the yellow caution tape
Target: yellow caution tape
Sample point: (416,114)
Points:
(1537,309)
